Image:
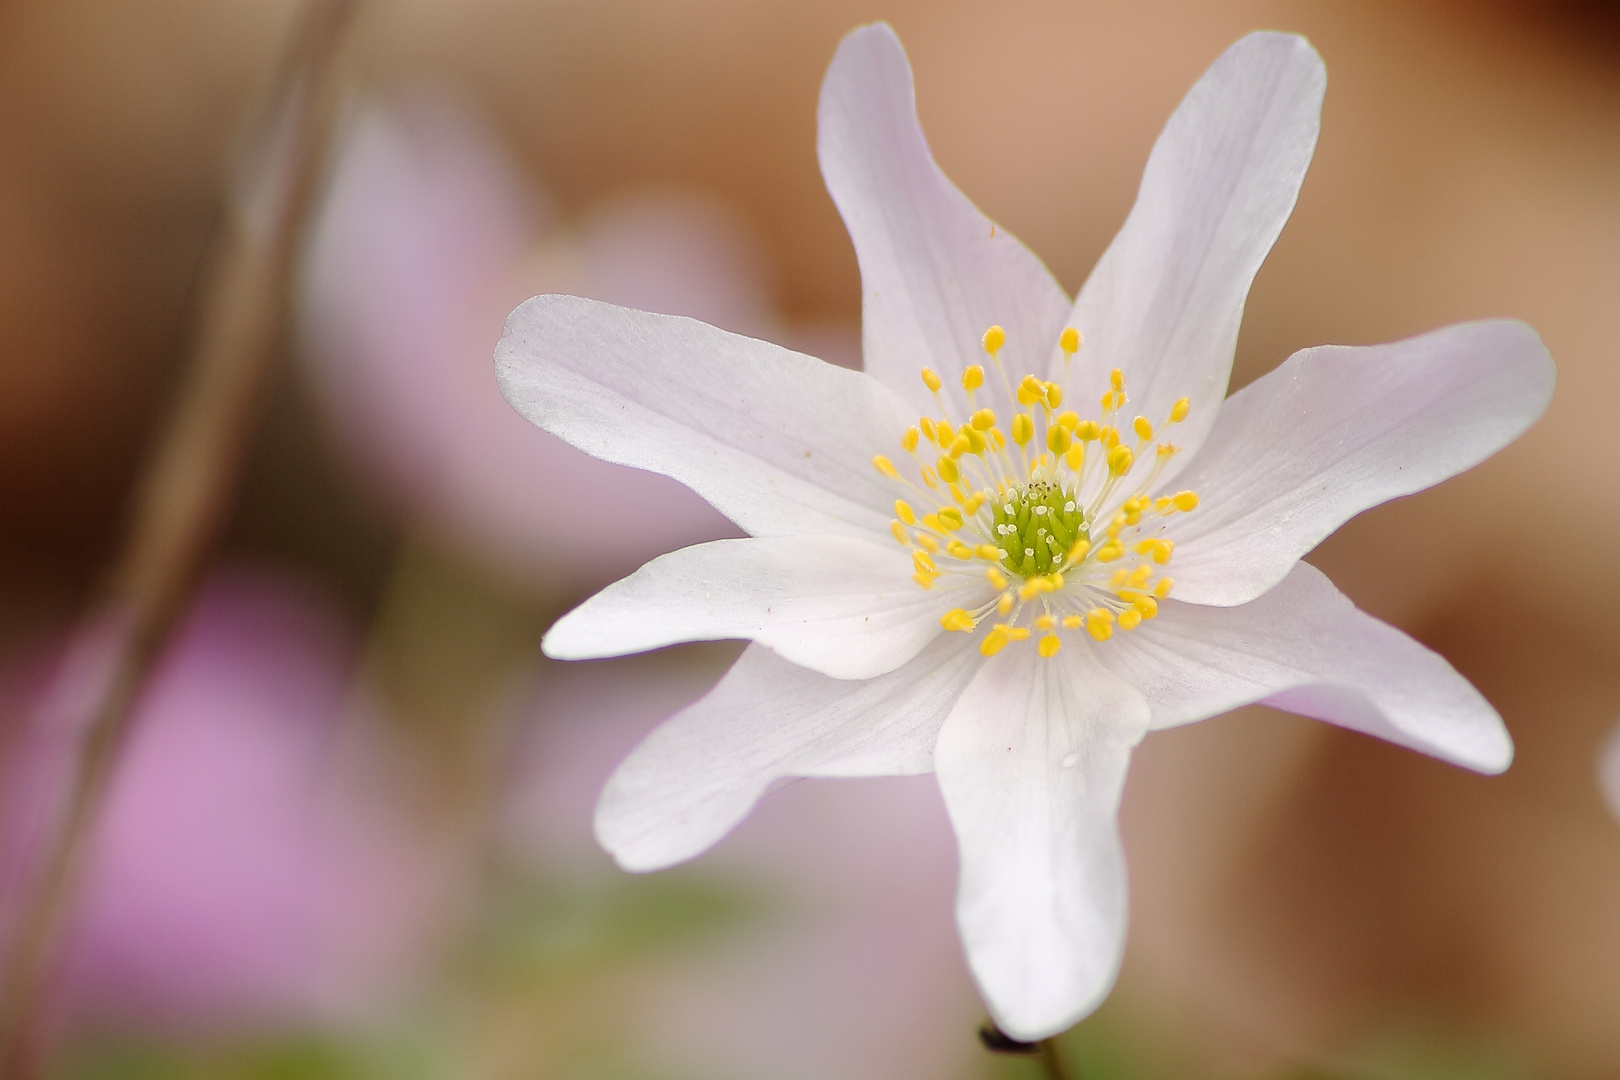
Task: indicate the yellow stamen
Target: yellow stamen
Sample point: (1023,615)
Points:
(1130,619)
(957,619)
(994,339)
(1069,340)
(886,467)
(900,533)
(903,511)
(1178,411)
(994,642)
(1057,439)
(1144,428)
(909,439)
(1049,645)
(1023,429)
(1100,623)
(995,577)
(1185,500)
(931,380)
(972,377)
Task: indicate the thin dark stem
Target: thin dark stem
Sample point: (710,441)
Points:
(1051,1059)
(1046,1051)
(187,485)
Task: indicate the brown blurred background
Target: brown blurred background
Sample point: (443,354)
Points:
(1304,898)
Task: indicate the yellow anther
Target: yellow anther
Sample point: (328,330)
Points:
(994,339)
(1068,419)
(1185,500)
(927,425)
(921,561)
(1143,427)
(903,511)
(1014,633)
(1164,504)
(959,446)
(1069,340)
(948,470)
(1072,622)
(951,516)
(924,578)
(1076,456)
(931,380)
(900,533)
(933,522)
(1146,606)
(1087,431)
(1120,460)
(972,377)
(972,503)
(1005,603)
(1108,435)
(1046,622)
(959,549)
(1057,439)
(1023,428)
(975,438)
(995,577)
(1049,645)
(1031,589)
(988,551)
(1166,450)
(1056,578)
(1031,390)
(997,438)
(984,419)
(957,619)
(929,478)
(1107,553)
(1116,379)
(926,542)
(1178,411)
(994,642)
(909,439)
(1079,550)
(1100,623)
(1130,619)
(1120,579)
(886,467)
(1162,589)
(1054,394)
(1159,549)
(1139,576)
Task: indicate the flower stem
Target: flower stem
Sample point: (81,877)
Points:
(186,486)
(1046,1051)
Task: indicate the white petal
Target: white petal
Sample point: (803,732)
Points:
(1335,430)
(1164,303)
(778,442)
(1305,648)
(1031,762)
(935,272)
(695,777)
(839,605)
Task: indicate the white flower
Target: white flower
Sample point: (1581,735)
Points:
(1020,640)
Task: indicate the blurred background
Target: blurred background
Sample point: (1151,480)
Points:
(349,835)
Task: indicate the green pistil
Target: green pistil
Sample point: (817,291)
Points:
(1046,521)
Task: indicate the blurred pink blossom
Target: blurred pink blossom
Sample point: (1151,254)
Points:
(854,972)
(246,869)
(427,239)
